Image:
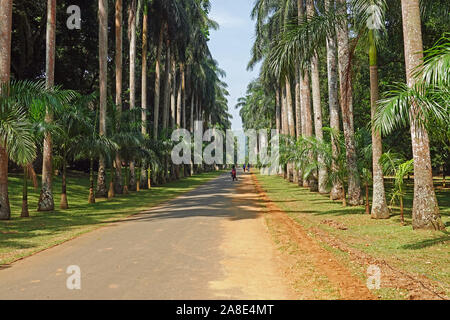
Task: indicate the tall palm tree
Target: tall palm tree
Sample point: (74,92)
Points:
(102,191)
(46,201)
(337,191)
(144,178)
(305,100)
(379,205)
(5,65)
(132,37)
(425,207)
(16,132)
(370,22)
(354,183)
(315,86)
(119,71)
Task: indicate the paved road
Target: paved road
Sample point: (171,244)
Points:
(176,251)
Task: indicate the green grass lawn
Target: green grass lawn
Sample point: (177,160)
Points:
(22,237)
(422,252)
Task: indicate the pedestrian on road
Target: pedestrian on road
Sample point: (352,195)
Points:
(233,173)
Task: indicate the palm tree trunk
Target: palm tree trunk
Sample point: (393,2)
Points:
(166,110)
(46,201)
(379,206)
(183,94)
(298,178)
(111,193)
(157,84)
(64,205)
(125,186)
(119,46)
(132,36)
(367,198)
(317,107)
(5,65)
(102,191)
(278,110)
(305,101)
(291,124)
(25,213)
(91,199)
(173,92)
(179,101)
(285,122)
(333,100)
(167,83)
(143,176)
(425,206)
(354,183)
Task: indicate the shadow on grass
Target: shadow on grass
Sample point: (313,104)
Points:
(428,242)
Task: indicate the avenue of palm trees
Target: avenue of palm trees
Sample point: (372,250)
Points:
(332,142)
(109,97)
(121,133)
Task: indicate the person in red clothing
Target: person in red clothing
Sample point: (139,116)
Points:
(233,173)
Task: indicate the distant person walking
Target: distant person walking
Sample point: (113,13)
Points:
(233,173)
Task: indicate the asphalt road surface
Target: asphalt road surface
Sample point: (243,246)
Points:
(210,243)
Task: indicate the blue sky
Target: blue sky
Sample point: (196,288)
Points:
(231,46)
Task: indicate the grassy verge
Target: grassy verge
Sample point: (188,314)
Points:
(419,252)
(23,237)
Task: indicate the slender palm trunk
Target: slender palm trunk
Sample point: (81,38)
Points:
(111,193)
(119,46)
(173,92)
(173,106)
(5,65)
(298,178)
(157,84)
(25,213)
(278,110)
(46,201)
(143,176)
(167,84)
(354,183)
(380,209)
(425,206)
(166,110)
(157,96)
(64,205)
(179,100)
(291,123)
(132,36)
(285,122)
(317,107)
(367,198)
(102,191)
(91,199)
(336,192)
(183,94)
(125,186)
(305,100)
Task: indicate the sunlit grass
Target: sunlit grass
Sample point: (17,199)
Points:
(21,237)
(422,252)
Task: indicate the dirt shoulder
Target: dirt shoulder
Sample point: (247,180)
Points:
(335,259)
(313,271)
